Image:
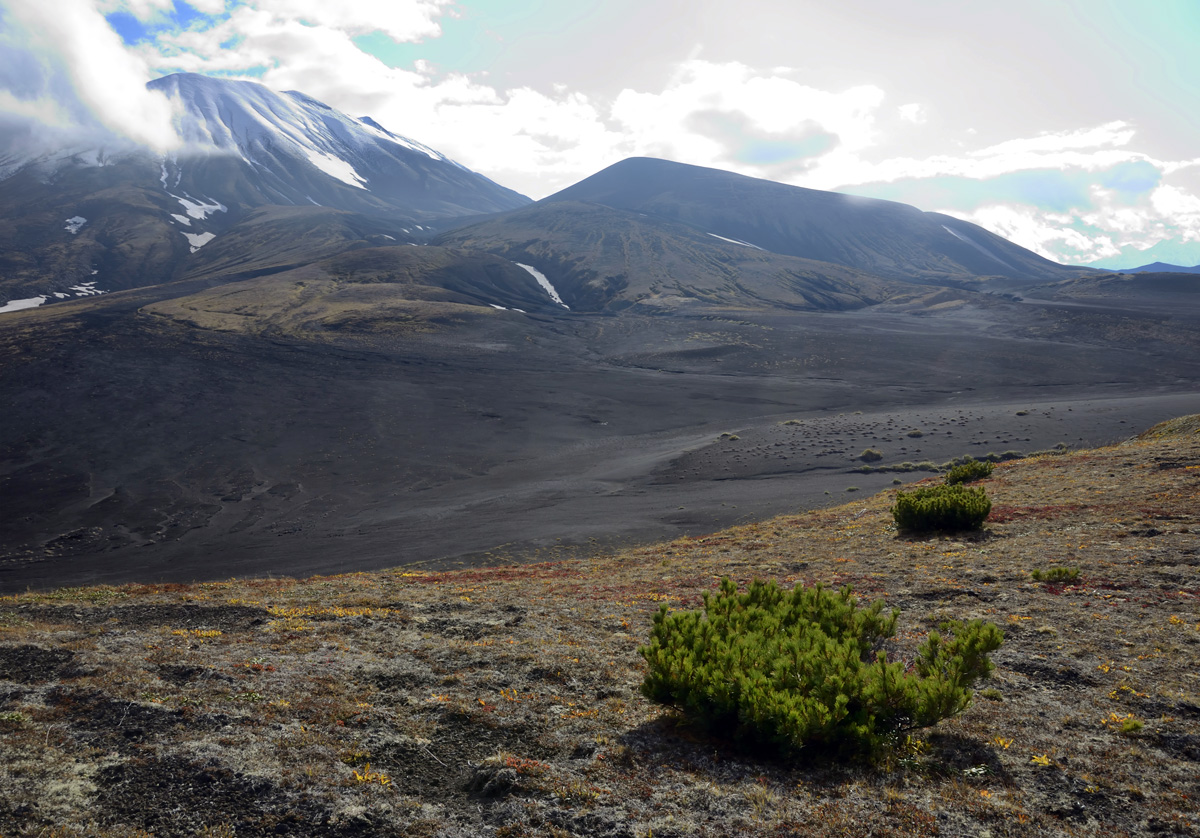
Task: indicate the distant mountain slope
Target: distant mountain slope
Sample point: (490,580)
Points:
(600,258)
(78,221)
(272,239)
(1171,295)
(879,237)
(1162,268)
(392,292)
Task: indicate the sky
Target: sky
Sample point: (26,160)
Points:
(1067,126)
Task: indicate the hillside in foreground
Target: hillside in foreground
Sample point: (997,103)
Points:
(504,701)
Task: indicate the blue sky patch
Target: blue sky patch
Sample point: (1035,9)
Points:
(1132,179)
(130,29)
(1049,189)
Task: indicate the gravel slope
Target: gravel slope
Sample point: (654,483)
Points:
(504,701)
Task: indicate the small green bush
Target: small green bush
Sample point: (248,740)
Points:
(788,670)
(1056,574)
(871,455)
(968,471)
(942,507)
(916,433)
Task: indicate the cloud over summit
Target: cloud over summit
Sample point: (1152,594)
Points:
(69,73)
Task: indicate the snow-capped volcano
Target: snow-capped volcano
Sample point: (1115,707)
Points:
(145,218)
(300,151)
(247,118)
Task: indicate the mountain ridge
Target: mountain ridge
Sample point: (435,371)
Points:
(885,238)
(126,217)
(607,259)
(1162,267)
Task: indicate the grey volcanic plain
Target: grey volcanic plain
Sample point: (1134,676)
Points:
(321,389)
(154,437)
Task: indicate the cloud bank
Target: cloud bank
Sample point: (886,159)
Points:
(68,75)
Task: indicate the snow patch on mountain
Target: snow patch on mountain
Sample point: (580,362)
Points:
(199,210)
(84,289)
(735,241)
(545,283)
(18,305)
(198,240)
(336,167)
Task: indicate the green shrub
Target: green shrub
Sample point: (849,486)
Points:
(1056,574)
(941,508)
(871,455)
(916,433)
(1132,725)
(968,471)
(788,670)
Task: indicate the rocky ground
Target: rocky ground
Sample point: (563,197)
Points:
(504,701)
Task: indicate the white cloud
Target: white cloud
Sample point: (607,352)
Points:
(47,112)
(1168,214)
(141,9)
(1175,202)
(914,113)
(403,20)
(295,35)
(728,114)
(1041,233)
(75,67)
(1092,150)
(208,7)
(1111,134)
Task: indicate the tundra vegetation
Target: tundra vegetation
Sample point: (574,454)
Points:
(941,508)
(789,670)
(506,701)
(969,472)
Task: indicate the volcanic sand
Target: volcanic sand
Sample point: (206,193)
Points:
(517,438)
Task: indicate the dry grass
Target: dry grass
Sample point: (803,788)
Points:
(505,702)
